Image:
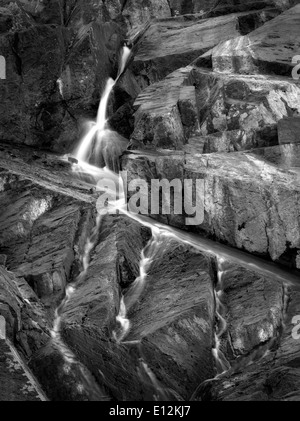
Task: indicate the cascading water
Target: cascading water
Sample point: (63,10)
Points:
(82,155)
(99,129)
(137,287)
(221,362)
(97,132)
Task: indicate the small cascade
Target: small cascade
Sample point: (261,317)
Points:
(98,132)
(83,155)
(136,288)
(70,290)
(222,364)
(123,321)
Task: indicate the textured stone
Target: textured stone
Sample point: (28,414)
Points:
(254,309)
(176,328)
(286,156)
(181,317)
(136,12)
(64,379)
(212,8)
(158,120)
(17,383)
(289,130)
(173,43)
(249,107)
(26,322)
(264,376)
(248,203)
(55,76)
(267,50)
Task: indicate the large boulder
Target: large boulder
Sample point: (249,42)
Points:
(271,373)
(172,312)
(267,50)
(169,44)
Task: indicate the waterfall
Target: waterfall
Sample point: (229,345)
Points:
(97,129)
(82,155)
(222,364)
(135,290)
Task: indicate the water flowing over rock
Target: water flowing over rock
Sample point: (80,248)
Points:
(101,100)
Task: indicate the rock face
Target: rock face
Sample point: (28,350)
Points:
(17,384)
(211,8)
(288,130)
(172,43)
(274,377)
(26,322)
(232,112)
(57,61)
(267,50)
(32,223)
(104,308)
(23,322)
(180,319)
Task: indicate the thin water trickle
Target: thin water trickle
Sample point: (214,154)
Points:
(97,132)
(82,155)
(222,365)
(137,287)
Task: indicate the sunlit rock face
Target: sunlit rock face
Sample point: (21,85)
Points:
(174,330)
(212,111)
(27,324)
(248,203)
(136,12)
(263,51)
(56,71)
(224,6)
(169,44)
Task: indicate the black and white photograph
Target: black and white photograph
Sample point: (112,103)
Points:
(149,203)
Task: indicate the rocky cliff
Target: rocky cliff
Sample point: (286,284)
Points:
(144,308)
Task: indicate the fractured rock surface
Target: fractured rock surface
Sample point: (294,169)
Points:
(97,308)
(169,44)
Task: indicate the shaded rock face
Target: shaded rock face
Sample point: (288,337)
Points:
(62,380)
(248,329)
(273,377)
(55,75)
(59,55)
(33,221)
(173,331)
(26,323)
(228,112)
(212,8)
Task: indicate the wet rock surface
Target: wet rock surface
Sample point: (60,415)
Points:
(103,309)
(266,50)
